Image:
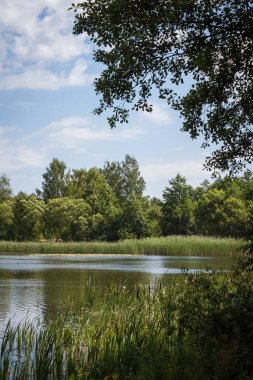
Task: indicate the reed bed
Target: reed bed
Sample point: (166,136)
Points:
(192,327)
(167,246)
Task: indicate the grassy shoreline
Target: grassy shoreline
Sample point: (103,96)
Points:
(193,327)
(164,246)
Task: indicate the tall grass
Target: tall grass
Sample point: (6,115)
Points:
(192,327)
(171,245)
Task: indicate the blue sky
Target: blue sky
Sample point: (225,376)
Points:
(46,103)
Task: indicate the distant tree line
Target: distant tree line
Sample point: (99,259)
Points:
(109,204)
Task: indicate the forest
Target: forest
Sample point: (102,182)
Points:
(108,204)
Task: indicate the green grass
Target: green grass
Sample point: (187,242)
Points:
(171,245)
(189,327)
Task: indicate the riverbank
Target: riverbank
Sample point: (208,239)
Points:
(190,327)
(164,246)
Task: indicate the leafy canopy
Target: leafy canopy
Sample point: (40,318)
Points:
(177,207)
(156,44)
(54,180)
(124,178)
(5,188)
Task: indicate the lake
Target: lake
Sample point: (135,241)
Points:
(40,283)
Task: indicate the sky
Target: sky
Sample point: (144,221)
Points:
(46,103)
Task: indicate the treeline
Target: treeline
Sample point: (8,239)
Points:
(109,204)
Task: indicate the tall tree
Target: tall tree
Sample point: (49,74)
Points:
(218,213)
(124,178)
(247,185)
(157,44)
(133,182)
(235,217)
(134,218)
(6,220)
(77,183)
(154,212)
(67,219)
(177,207)
(54,183)
(28,218)
(249,229)
(232,186)
(112,171)
(91,186)
(5,188)
(99,196)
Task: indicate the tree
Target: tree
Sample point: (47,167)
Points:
(77,183)
(67,219)
(28,218)
(158,44)
(5,188)
(124,178)
(91,186)
(217,213)
(235,217)
(6,220)
(55,180)
(247,185)
(112,171)
(201,189)
(209,213)
(99,196)
(154,214)
(97,193)
(134,219)
(249,229)
(177,207)
(232,186)
(22,195)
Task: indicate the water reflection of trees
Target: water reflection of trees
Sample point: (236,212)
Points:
(50,281)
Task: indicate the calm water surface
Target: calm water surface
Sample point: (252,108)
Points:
(39,283)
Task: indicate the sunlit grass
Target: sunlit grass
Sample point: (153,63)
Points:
(171,245)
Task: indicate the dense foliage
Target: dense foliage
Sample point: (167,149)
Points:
(109,204)
(155,46)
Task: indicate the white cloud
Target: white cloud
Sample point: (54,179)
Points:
(18,155)
(73,121)
(3,49)
(34,35)
(73,134)
(159,115)
(158,175)
(5,129)
(186,168)
(75,130)
(55,48)
(88,134)
(41,78)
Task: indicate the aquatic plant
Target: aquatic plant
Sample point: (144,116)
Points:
(171,245)
(196,326)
